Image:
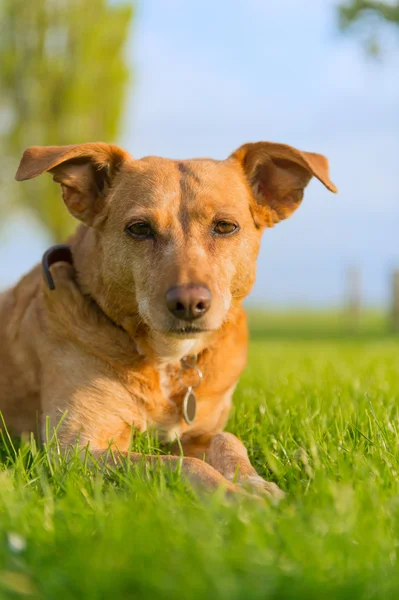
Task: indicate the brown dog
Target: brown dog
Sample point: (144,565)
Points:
(153,302)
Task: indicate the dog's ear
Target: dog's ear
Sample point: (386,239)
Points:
(85,172)
(278,175)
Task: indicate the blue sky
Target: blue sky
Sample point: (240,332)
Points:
(209,76)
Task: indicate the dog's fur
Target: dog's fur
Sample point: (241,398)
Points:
(103,345)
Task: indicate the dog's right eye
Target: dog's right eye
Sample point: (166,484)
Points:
(140,230)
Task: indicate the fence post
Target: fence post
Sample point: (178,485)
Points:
(353,287)
(395,300)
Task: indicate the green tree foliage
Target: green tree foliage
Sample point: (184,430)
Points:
(364,11)
(63,77)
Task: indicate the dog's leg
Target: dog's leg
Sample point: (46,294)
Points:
(197,472)
(225,453)
(96,428)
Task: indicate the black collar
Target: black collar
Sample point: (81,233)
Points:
(58,253)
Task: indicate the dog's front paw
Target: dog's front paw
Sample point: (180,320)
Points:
(256,484)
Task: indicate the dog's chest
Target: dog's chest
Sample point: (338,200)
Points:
(166,415)
(158,389)
(173,396)
(163,403)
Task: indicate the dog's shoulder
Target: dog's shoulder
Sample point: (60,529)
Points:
(73,317)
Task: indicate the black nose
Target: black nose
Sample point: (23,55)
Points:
(188,302)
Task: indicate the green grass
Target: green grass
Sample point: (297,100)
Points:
(319,415)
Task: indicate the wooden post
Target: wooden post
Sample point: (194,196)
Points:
(353,286)
(395,301)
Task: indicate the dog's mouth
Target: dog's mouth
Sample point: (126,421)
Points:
(187,330)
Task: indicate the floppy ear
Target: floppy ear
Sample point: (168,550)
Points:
(278,175)
(85,172)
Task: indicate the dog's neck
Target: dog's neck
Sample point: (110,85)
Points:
(156,346)
(169,350)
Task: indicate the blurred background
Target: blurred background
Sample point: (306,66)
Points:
(186,79)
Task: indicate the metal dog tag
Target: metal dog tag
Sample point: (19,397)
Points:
(189,406)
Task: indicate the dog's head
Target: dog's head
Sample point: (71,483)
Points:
(175,242)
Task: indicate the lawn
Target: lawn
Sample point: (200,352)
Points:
(318,411)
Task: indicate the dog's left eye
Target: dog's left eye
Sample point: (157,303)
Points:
(225,228)
(140,230)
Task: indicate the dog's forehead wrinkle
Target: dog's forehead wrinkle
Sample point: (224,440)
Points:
(187,172)
(199,170)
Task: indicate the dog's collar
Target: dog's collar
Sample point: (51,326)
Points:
(63,253)
(58,253)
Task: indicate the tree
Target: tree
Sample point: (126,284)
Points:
(364,10)
(63,77)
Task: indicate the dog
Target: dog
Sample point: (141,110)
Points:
(137,324)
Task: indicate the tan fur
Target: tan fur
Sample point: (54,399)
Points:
(103,346)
